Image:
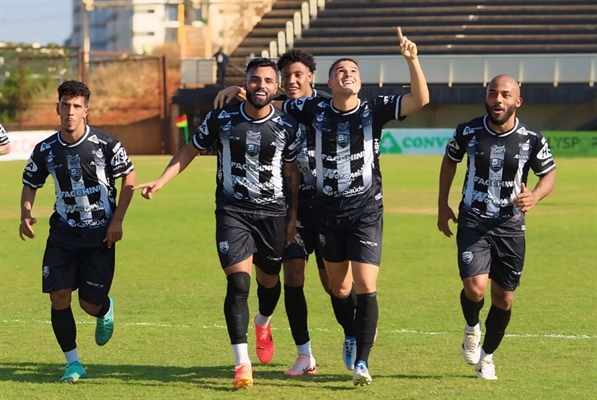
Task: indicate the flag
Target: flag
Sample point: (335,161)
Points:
(182,122)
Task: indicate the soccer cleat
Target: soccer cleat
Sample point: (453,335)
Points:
(304,365)
(264,343)
(243,376)
(73,372)
(104,326)
(349,351)
(471,344)
(361,375)
(485,368)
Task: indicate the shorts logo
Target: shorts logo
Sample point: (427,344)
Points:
(467,257)
(321,239)
(224,247)
(46,271)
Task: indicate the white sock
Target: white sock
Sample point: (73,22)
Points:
(485,356)
(304,349)
(241,354)
(262,321)
(71,356)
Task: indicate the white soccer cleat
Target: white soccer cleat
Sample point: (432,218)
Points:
(361,375)
(485,368)
(471,344)
(304,365)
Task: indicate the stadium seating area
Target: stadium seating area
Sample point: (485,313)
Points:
(355,27)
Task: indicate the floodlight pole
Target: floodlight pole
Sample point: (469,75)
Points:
(87,7)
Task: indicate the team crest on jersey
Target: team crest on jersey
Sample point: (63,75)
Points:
(224,247)
(253,149)
(74,167)
(496,164)
(343,134)
(525,146)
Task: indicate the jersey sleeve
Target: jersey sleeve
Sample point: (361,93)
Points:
(302,109)
(293,143)
(387,108)
(3,136)
(456,148)
(541,160)
(207,132)
(120,163)
(36,172)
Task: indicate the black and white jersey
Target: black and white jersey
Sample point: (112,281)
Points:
(306,156)
(498,163)
(346,147)
(3,136)
(250,157)
(84,174)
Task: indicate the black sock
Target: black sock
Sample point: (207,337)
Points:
(495,327)
(268,298)
(105,308)
(65,330)
(366,324)
(344,309)
(236,307)
(470,309)
(296,309)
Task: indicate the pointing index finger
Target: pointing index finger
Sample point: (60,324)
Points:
(399,33)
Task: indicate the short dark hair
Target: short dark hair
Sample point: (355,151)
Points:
(296,56)
(261,62)
(339,61)
(74,89)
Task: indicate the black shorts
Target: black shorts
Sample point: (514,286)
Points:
(241,234)
(354,235)
(306,239)
(90,269)
(491,247)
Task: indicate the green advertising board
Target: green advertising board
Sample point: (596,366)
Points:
(434,141)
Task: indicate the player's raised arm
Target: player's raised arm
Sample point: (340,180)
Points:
(419,92)
(226,95)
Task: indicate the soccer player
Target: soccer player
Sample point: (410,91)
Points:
(348,201)
(490,235)
(297,68)
(84,163)
(256,203)
(4,142)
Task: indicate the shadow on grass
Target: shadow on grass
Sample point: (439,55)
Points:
(209,377)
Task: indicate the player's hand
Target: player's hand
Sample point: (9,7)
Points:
(25,228)
(408,48)
(525,199)
(226,95)
(114,233)
(148,189)
(444,215)
(290,231)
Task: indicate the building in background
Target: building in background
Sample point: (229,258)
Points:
(130,26)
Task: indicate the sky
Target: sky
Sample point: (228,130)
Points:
(36,21)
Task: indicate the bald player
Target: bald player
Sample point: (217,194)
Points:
(490,234)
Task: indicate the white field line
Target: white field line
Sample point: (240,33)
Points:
(219,326)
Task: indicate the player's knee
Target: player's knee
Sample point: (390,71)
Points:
(239,283)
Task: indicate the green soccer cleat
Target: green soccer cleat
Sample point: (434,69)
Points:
(104,326)
(73,372)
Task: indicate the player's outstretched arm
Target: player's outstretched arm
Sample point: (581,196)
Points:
(177,164)
(27,200)
(226,95)
(114,232)
(419,92)
(445,214)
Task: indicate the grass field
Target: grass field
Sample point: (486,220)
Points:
(170,340)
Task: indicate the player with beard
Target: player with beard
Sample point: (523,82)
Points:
(297,68)
(490,235)
(256,204)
